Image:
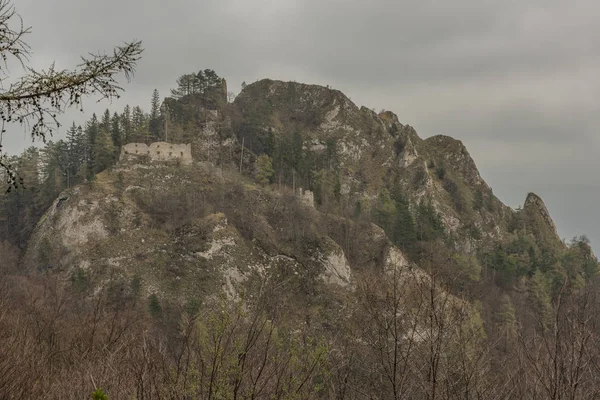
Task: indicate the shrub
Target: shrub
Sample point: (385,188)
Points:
(440,172)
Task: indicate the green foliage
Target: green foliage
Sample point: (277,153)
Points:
(429,225)
(539,294)
(80,280)
(104,151)
(440,172)
(202,83)
(467,270)
(155,121)
(507,319)
(506,266)
(136,286)
(154,306)
(264,169)
(456,194)
(490,205)
(478,200)
(384,210)
(98,394)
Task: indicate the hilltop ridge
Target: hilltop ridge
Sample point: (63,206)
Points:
(358,164)
(299,225)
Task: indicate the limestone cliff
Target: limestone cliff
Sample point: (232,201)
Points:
(537,219)
(187,231)
(371,152)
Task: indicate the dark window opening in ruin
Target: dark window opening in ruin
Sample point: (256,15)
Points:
(136,152)
(158,152)
(126,152)
(182,154)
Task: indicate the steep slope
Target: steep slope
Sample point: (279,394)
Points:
(362,153)
(185,232)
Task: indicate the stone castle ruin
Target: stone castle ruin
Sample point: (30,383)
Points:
(306,197)
(159,151)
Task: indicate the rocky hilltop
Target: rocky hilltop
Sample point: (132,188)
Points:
(351,158)
(178,226)
(294,232)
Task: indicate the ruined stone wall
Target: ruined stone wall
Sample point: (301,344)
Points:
(159,151)
(306,197)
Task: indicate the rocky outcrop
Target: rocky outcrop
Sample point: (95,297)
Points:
(187,232)
(534,203)
(537,220)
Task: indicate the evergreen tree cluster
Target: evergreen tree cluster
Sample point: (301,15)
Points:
(202,82)
(85,151)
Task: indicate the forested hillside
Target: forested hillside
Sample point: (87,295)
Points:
(312,250)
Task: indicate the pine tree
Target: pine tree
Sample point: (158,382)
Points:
(104,151)
(264,169)
(75,154)
(155,122)
(116,132)
(186,84)
(92,129)
(105,124)
(507,320)
(55,171)
(139,125)
(208,80)
(82,169)
(126,124)
(539,293)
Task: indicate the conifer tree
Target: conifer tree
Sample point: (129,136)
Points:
(92,129)
(155,123)
(116,133)
(105,123)
(126,124)
(104,151)
(75,154)
(53,170)
(264,169)
(139,125)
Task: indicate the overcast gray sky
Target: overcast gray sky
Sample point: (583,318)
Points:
(516,81)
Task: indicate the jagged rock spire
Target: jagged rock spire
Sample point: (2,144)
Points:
(535,202)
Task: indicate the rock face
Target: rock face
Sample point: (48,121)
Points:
(536,216)
(535,203)
(374,152)
(159,151)
(186,231)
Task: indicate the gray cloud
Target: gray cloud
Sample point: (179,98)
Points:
(515,80)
